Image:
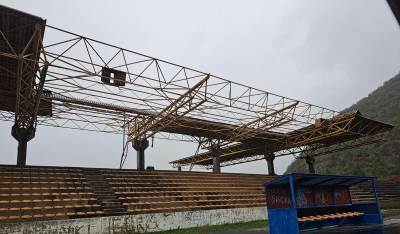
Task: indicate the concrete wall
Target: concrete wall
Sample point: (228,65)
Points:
(138,223)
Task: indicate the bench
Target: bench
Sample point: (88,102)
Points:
(183,197)
(298,202)
(193,208)
(158,176)
(175,179)
(187,184)
(180,192)
(43,182)
(13,218)
(174,188)
(176,203)
(37,194)
(39,177)
(51,189)
(49,207)
(53,174)
(330,216)
(47,200)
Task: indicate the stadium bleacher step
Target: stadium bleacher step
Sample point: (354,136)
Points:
(106,197)
(68,193)
(388,190)
(115,211)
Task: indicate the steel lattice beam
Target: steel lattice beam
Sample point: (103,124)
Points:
(22,76)
(395,6)
(264,123)
(96,86)
(324,134)
(143,124)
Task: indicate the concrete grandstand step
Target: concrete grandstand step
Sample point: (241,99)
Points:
(107,197)
(104,195)
(362,195)
(141,192)
(103,192)
(115,211)
(53,195)
(114,202)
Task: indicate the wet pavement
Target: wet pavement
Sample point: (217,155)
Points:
(391,226)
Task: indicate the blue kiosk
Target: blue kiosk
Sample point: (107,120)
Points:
(298,202)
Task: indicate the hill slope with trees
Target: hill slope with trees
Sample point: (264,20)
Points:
(382,159)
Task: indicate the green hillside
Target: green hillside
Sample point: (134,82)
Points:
(376,160)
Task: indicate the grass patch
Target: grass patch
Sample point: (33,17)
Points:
(218,228)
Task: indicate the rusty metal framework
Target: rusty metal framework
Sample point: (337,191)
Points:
(146,126)
(22,77)
(395,6)
(82,101)
(95,86)
(152,86)
(341,132)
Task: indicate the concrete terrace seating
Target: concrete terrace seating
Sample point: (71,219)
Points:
(43,193)
(394,178)
(388,189)
(37,193)
(169,191)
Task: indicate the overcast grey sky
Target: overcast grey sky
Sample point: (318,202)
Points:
(326,52)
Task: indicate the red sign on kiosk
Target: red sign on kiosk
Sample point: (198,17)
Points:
(342,196)
(304,197)
(324,197)
(279,198)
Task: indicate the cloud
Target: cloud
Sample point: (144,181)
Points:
(329,53)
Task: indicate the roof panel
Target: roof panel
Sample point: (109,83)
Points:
(318,180)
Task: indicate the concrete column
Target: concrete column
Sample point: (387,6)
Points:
(216,153)
(21,156)
(24,127)
(270,161)
(23,136)
(140,145)
(310,162)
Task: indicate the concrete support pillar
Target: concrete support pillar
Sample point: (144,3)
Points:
(24,127)
(21,155)
(216,153)
(310,162)
(270,161)
(22,136)
(140,145)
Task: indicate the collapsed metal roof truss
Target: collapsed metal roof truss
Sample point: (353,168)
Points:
(96,86)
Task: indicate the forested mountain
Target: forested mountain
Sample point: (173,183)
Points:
(381,159)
